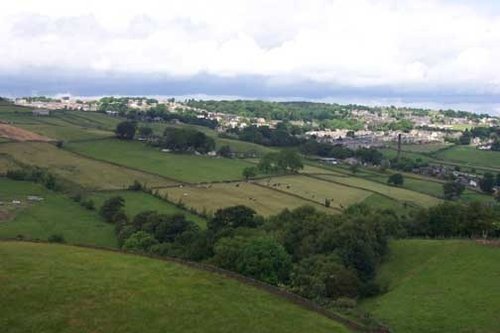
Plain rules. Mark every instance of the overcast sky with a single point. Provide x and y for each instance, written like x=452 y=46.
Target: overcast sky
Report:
x=427 y=52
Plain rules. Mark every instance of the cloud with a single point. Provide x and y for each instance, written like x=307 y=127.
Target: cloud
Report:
x=415 y=45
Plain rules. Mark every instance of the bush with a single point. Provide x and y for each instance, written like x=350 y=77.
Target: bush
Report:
x=111 y=207
x=140 y=241
x=136 y=186
x=56 y=238
x=88 y=204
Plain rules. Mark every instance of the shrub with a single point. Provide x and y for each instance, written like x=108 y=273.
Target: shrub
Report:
x=56 y=238
x=140 y=241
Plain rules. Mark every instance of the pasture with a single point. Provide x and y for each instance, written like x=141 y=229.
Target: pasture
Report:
x=182 y=167
x=439 y=286
x=56 y=214
x=317 y=190
x=60 y=288
x=136 y=202
x=209 y=198
x=470 y=157
x=80 y=170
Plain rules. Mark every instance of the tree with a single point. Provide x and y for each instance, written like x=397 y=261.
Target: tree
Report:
x=265 y=260
x=126 y=130
x=140 y=241
x=452 y=190
x=145 y=132
x=487 y=182
x=225 y=151
x=111 y=207
x=396 y=179
x=465 y=138
x=233 y=217
x=249 y=172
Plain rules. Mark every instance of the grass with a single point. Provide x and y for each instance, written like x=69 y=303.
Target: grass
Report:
x=396 y=193
x=182 y=167
x=58 y=288
x=56 y=214
x=85 y=172
x=470 y=157
x=422 y=148
x=136 y=202
x=440 y=286
x=208 y=198
x=317 y=190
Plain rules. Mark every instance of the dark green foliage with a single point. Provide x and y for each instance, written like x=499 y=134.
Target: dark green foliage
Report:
x=88 y=204
x=233 y=217
x=312 y=147
x=284 y=161
x=56 y=238
x=136 y=186
x=369 y=155
x=465 y=138
x=324 y=276
x=111 y=207
x=139 y=242
x=126 y=130
x=185 y=139
x=34 y=174
x=145 y=132
x=487 y=182
x=249 y=172
x=225 y=151
x=449 y=219
x=263 y=135
x=452 y=190
x=396 y=179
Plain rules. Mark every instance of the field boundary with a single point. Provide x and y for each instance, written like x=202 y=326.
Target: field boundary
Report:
x=282 y=293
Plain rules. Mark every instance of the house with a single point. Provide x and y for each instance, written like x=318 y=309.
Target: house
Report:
x=112 y=113
x=41 y=112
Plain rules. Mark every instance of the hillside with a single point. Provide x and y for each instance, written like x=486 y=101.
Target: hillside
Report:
x=440 y=286
x=59 y=288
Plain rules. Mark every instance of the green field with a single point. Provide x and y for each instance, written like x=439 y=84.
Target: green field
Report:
x=422 y=148
x=440 y=286
x=317 y=190
x=263 y=200
x=56 y=214
x=58 y=288
x=470 y=157
x=182 y=167
x=85 y=172
x=136 y=202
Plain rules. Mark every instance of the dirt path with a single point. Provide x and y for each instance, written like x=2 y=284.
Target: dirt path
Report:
x=19 y=134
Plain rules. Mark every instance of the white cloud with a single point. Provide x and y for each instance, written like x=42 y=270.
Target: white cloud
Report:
x=417 y=44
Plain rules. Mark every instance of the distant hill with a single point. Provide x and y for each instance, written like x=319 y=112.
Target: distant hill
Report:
x=59 y=288
x=440 y=286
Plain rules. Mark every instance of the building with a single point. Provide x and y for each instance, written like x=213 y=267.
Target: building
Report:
x=41 y=112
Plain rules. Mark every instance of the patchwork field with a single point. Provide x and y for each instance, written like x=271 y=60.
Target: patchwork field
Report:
x=136 y=202
x=188 y=168
x=58 y=288
x=470 y=156
x=317 y=190
x=209 y=198
x=55 y=214
x=85 y=172
x=440 y=286
x=19 y=134
x=396 y=193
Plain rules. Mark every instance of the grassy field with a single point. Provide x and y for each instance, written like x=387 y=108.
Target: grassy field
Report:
x=209 y=198
x=56 y=214
x=421 y=148
x=470 y=157
x=136 y=202
x=396 y=193
x=183 y=167
x=57 y=288
x=317 y=190
x=86 y=172
x=440 y=286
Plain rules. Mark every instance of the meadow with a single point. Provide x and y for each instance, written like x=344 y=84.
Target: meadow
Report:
x=181 y=167
x=439 y=286
x=56 y=214
x=86 y=172
x=209 y=198
x=136 y=202
x=470 y=156
x=59 y=288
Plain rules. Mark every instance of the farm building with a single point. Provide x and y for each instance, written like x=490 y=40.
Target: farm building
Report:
x=41 y=112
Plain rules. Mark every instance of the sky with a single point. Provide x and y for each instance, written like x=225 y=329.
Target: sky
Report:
x=432 y=53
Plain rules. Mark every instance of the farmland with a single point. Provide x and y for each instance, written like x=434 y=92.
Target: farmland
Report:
x=470 y=156
x=51 y=288
x=136 y=202
x=182 y=167
x=82 y=171
x=56 y=214
x=208 y=198
x=439 y=286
